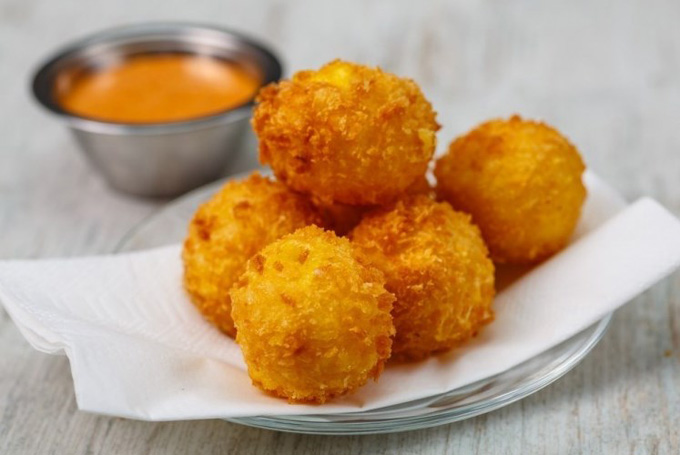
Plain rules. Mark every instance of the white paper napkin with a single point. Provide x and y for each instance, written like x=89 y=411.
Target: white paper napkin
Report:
x=138 y=348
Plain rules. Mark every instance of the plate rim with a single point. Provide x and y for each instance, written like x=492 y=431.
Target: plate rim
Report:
x=294 y=423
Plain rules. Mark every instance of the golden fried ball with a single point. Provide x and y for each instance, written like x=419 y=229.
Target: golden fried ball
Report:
x=437 y=265
x=313 y=322
x=342 y=218
x=521 y=182
x=346 y=133
x=241 y=219
x=421 y=186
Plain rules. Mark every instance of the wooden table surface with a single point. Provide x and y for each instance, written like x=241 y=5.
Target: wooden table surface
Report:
x=607 y=73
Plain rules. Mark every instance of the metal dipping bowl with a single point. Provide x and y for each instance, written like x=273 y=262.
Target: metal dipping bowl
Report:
x=157 y=159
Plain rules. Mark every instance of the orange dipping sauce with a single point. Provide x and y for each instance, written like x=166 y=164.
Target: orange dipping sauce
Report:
x=157 y=88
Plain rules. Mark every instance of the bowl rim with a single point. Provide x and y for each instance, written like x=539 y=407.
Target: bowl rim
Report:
x=42 y=80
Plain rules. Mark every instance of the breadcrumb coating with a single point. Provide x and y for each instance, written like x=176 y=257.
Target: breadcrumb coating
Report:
x=342 y=218
x=437 y=265
x=241 y=219
x=346 y=133
x=421 y=186
x=313 y=322
x=521 y=182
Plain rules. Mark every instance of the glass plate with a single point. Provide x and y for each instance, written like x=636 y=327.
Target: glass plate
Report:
x=168 y=225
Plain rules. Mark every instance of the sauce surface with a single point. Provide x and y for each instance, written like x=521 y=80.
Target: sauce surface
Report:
x=156 y=88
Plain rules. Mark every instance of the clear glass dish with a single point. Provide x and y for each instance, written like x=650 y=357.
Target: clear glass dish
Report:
x=168 y=225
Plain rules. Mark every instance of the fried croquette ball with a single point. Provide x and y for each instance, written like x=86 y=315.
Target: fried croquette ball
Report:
x=241 y=219
x=342 y=218
x=421 y=186
x=346 y=133
x=313 y=322
x=437 y=265
x=521 y=182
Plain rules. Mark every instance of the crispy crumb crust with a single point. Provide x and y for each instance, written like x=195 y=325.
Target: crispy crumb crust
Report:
x=342 y=218
x=313 y=322
x=346 y=133
x=437 y=265
x=242 y=218
x=521 y=182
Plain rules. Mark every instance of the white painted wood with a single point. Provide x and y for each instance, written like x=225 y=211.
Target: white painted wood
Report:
x=607 y=73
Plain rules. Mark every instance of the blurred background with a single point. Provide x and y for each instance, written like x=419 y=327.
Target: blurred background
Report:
x=606 y=73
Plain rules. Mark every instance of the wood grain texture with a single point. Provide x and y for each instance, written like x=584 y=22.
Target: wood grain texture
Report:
x=607 y=73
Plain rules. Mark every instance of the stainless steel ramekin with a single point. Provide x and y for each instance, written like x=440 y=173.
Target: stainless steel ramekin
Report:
x=159 y=159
